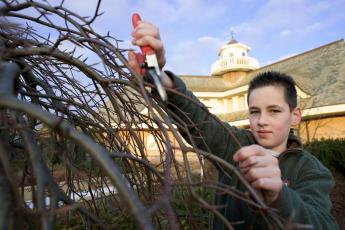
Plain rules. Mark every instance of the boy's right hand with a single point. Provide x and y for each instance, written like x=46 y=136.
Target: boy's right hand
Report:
x=261 y=169
x=148 y=34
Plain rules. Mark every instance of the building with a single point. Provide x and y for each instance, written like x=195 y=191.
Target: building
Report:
x=319 y=74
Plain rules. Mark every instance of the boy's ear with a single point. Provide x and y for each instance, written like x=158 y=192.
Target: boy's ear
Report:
x=296 y=117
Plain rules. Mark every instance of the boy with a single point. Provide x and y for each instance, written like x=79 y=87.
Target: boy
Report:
x=271 y=154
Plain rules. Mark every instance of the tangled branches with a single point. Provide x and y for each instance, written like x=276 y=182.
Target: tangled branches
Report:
x=76 y=129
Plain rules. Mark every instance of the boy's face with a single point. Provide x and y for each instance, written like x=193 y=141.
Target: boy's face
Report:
x=270 y=117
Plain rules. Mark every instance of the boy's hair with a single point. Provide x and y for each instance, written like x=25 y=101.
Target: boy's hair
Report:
x=273 y=78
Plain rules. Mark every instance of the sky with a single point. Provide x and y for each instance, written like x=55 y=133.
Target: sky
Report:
x=194 y=30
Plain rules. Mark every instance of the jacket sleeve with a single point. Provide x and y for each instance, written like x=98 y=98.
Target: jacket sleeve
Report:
x=205 y=130
x=307 y=201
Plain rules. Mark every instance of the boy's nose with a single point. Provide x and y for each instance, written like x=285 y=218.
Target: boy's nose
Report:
x=263 y=119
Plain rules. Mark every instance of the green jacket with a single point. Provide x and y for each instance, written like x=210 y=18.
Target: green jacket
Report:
x=305 y=194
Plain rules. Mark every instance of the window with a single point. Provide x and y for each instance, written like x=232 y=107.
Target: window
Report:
x=229 y=104
x=242 y=102
x=151 y=143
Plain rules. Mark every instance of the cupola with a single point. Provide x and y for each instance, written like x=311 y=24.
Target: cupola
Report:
x=234 y=57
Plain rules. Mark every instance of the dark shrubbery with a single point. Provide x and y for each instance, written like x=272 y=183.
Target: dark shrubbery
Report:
x=331 y=152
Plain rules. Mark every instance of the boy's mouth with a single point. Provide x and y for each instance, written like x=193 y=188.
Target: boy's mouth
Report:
x=263 y=133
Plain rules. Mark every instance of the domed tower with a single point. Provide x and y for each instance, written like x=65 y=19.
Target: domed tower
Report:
x=233 y=62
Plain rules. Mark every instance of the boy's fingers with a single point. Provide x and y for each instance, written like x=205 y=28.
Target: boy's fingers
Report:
x=146 y=29
x=156 y=44
x=148 y=34
x=258 y=161
x=269 y=187
x=251 y=162
x=268 y=184
x=133 y=61
x=247 y=151
x=141 y=32
x=264 y=172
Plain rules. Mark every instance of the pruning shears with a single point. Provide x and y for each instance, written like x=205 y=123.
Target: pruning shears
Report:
x=150 y=64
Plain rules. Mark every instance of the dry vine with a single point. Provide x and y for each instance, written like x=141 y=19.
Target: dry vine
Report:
x=59 y=113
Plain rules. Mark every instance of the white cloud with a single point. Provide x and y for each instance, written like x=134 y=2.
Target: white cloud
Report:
x=282 y=18
x=285 y=33
x=195 y=57
x=314 y=27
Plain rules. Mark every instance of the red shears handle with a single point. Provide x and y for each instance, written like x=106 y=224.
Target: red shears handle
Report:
x=144 y=49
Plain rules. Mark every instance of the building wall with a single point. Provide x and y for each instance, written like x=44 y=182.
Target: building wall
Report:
x=333 y=127
x=224 y=105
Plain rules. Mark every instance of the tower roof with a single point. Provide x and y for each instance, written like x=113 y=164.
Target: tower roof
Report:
x=232 y=41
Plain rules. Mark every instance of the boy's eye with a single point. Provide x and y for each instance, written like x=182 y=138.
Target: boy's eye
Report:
x=253 y=112
x=275 y=111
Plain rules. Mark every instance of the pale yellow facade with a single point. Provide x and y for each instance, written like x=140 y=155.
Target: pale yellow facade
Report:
x=322 y=128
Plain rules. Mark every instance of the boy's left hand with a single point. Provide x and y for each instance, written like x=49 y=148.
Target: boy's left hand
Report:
x=261 y=169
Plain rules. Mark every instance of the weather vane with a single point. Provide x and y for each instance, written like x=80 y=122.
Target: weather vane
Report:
x=232 y=34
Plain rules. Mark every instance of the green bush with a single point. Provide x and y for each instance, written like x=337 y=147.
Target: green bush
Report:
x=331 y=152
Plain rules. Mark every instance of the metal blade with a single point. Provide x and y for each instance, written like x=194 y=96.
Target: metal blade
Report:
x=158 y=83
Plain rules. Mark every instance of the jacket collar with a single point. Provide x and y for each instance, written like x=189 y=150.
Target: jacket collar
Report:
x=293 y=142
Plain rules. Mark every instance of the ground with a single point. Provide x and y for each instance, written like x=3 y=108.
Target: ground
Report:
x=338 y=200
